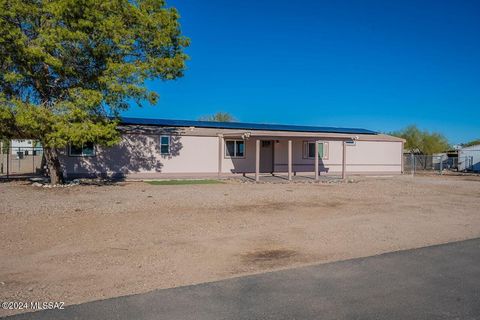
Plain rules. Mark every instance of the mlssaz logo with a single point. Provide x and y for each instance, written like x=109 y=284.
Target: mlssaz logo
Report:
x=47 y=305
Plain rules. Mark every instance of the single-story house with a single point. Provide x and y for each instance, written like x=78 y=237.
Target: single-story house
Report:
x=156 y=148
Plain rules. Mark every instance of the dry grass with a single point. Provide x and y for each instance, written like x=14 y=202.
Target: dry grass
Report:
x=182 y=182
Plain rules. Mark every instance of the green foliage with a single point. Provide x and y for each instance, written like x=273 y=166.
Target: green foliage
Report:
x=67 y=65
x=5 y=145
x=423 y=142
x=218 y=117
x=471 y=143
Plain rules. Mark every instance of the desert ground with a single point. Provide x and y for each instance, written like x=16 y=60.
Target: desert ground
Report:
x=85 y=243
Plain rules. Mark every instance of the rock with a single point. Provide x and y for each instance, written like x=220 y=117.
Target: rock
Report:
x=36 y=184
x=38 y=179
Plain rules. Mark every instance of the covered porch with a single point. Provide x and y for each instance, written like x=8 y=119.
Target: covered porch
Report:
x=289 y=158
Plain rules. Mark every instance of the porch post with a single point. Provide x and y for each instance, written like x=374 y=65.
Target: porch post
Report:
x=289 y=159
x=257 y=160
x=220 y=153
x=344 y=160
x=316 y=160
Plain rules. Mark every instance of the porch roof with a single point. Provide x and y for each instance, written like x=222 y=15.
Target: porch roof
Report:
x=264 y=135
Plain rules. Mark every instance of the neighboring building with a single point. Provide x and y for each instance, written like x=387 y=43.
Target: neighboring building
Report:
x=156 y=148
x=21 y=148
x=469 y=158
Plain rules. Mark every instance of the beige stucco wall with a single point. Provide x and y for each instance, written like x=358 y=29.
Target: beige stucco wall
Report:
x=239 y=165
x=139 y=155
x=363 y=157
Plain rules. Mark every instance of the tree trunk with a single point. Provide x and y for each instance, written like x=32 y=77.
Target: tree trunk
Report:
x=53 y=165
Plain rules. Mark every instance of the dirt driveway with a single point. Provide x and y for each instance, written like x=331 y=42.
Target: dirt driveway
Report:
x=87 y=242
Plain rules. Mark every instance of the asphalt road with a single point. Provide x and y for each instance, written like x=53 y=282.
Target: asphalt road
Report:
x=438 y=282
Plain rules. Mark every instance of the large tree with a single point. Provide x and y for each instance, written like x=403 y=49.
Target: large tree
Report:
x=423 y=142
x=68 y=66
x=218 y=117
x=471 y=143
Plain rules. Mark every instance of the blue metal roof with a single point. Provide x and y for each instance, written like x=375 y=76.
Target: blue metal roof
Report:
x=239 y=125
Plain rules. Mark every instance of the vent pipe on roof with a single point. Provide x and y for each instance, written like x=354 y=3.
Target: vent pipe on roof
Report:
x=246 y=135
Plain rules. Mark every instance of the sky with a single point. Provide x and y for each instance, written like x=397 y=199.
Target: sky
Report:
x=379 y=65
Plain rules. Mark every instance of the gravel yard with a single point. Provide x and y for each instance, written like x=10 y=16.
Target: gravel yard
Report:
x=86 y=243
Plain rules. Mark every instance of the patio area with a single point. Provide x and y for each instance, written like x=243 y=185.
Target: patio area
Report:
x=304 y=177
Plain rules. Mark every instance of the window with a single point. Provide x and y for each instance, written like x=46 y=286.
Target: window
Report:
x=309 y=150
x=85 y=150
x=165 y=144
x=235 y=148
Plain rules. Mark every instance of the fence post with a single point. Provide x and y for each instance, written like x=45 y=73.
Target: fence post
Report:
x=33 y=162
x=412 y=163
x=8 y=162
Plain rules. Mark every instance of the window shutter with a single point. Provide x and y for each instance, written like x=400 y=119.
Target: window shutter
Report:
x=320 y=150
x=325 y=150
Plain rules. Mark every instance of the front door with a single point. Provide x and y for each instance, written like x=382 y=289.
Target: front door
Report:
x=266 y=156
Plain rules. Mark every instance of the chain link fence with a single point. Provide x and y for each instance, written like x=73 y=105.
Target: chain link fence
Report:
x=21 y=162
x=414 y=163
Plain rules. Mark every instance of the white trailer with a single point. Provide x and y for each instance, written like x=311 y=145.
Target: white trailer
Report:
x=469 y=158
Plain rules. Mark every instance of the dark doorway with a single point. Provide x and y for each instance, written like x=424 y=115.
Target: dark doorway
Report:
x=266 y=156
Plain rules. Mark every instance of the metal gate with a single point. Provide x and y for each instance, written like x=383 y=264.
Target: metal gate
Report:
x=21 y=162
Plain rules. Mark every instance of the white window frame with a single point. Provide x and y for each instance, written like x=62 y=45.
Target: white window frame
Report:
x=306 y=149
x=169 y=144
x=70 y=154
x=227 y=156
